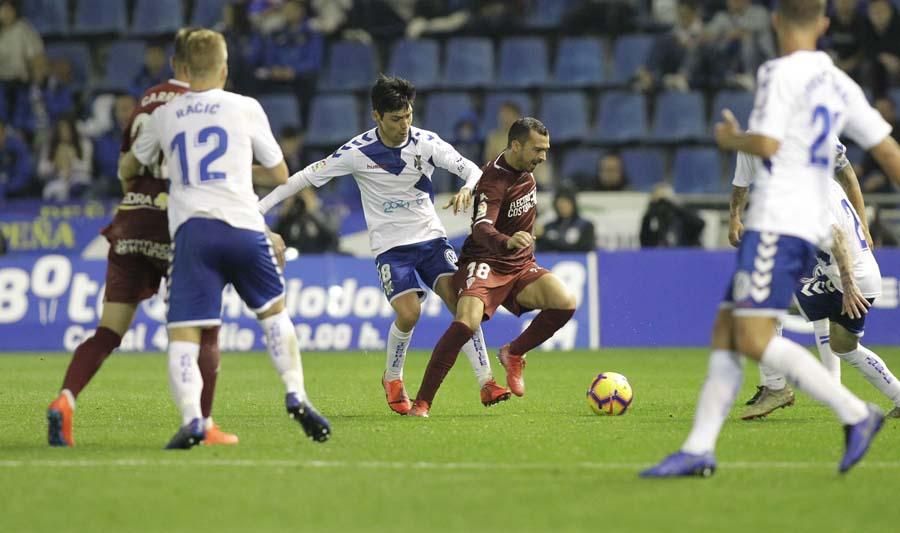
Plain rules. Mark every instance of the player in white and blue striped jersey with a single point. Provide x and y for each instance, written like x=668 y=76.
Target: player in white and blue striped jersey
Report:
x=802 y=101
x=392 y=164
x=209 y=138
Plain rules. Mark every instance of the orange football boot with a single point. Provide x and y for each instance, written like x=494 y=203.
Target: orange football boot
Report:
x=514 y=365
x=59 y=422
x=492 y=394
x=397 y=398
x=216 y=437
x=420 y=408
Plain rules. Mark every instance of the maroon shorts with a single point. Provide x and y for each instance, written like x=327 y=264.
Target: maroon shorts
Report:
x=477 y=279
x=132 y=278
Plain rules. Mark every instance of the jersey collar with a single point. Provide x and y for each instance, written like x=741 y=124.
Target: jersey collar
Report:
x=180 y=83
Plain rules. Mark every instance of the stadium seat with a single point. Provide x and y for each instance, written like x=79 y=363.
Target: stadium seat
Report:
x=579 y=63
x=351 y=67
x=523 y=62
x=493 y=101
x=644 y=167
x=333 y=119
x=621 y=118
x=156 y=17
x=855 y=154
x=78 y=55
x=443 y=110
x=4 y=113
x=49 y=17
x=546 y=14
x=579 y=166
x=698 y=170
x=894 y=94
x=679 y=117
x=121 y=66
x=207 y=13
x=469 y=63
x=629 y=53
x=282 y=110
x=739 y=102
x=100 y=16
x=418 y=61
x=565 y=115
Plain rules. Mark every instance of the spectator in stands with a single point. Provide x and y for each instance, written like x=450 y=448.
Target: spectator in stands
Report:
x=845 y=36
x=20 y=43
x=740 y=39
x=15 y=165
x=65 y=163
x=108 y=145
x=496 y=141
x=303 y=226
x=667 y=224
x=156 y=70
x=873 y=179
x=675 y=57
x=45 y=100
x=569 y=232
x=467 y=137
x=291 y=141
x=612 y=17
x=881 y=44
x=610 y=174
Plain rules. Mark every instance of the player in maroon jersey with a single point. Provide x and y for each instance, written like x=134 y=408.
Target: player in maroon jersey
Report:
x=137 y=261
x=497 y=265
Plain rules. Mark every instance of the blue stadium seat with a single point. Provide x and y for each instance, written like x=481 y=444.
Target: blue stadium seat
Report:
x=565 y=115
x=698 y=170
x=644 y=167
x=443 y=110
x=100 y=16
x=282 y=110
x=679 y=117
x=207 y=13
x=629 y=53
x=739 y=102
x=156 y=17
x=579 y=166
x=418 y=61
x=469 y=63
x=523 y=62
x=49 y=17
x=122 y=64
x=579 y=63
x=334 y=119
x=493 y=101
x=4 y=114
x=621 y=118
x=78 y=55
x=546 y=14
x=351 y=67
x=855 y=154
x=894 y=94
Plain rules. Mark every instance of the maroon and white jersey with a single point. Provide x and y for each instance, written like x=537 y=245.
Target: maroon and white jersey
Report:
x=505 y=202
x=140 y=226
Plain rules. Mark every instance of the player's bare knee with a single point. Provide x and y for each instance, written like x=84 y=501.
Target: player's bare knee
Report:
x=749 y=342
x=407 y=317
x=273 y=310
x=841 y=340
x=723 y=331
x=568 y=301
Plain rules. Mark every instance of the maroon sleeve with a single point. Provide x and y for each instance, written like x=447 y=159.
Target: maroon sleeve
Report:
x=488 y=199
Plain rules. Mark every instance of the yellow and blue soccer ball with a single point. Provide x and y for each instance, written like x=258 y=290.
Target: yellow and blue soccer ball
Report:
x=610 y=394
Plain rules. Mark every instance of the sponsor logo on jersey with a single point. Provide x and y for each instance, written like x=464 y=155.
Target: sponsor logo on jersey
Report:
x=523 y=204
x=155 y=250
x=418 y=163
x=318 y=165
x=481 y=212
x=139 y=199
x=450 y=256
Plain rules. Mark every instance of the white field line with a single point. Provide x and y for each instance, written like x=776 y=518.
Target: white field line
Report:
x=399 y=465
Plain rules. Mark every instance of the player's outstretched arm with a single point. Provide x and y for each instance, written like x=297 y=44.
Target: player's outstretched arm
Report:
x=729 y=136
x=846 y=176
x=854 y=304
x=735 y=209
x=887 y=154
x=270 y=177
x=129 y=167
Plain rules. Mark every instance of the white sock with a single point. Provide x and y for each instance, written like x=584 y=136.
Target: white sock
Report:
x=397 y=344
x=185 y=380
x=802 y=369
x=771 y=378
x=208 y=422
x=875 y=371
x=69 y=396
x=822 y=329
x=476 y=352
x=723 y=381
x=281 y=342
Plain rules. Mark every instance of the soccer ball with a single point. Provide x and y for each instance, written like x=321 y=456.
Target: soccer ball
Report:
x=610 y=394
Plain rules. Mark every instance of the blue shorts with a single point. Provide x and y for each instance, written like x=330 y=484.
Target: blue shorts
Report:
x=431 y=260
x=207 y=254
x=769 y=270
x=818 y=298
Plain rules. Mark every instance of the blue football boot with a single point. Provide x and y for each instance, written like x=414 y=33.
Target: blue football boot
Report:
x=858 y=437
x=314 y=425
x=682 y=464
x=190 y=435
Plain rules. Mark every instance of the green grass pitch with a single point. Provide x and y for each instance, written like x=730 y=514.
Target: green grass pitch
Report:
x=539 y=463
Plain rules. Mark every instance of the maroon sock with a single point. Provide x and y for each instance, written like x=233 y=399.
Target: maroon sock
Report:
x=88 y=357
x=541 y=328
x=209 y=368
x=442 y=359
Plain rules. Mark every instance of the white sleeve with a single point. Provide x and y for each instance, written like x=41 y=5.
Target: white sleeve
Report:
x=265 y=148
x=147 y=144
x=865 y=125
x=743 y=170
x=446 y=157
x=840 y=157
x=316 y=175
x=771 y=108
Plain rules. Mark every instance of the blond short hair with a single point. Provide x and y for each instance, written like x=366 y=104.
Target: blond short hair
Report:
x=206 y=53
x=801 y=12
